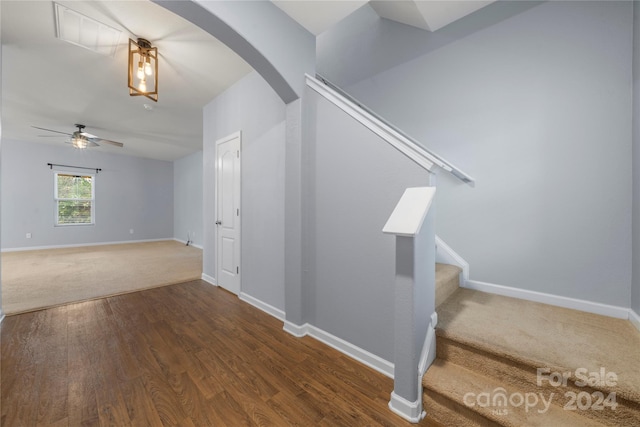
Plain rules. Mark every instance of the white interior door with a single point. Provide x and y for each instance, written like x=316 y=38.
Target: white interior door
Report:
x=228 y=212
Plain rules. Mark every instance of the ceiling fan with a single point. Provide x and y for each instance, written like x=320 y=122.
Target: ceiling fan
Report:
x=81 y=139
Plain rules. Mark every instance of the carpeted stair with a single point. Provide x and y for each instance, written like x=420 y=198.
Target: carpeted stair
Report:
x=489 y=349
x=447 y=281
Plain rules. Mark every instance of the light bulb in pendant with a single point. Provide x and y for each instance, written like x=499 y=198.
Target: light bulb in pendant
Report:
x=140 y=73
x=147 y=67
x=143 y=85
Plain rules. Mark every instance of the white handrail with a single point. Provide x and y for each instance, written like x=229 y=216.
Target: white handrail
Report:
x=394 y=136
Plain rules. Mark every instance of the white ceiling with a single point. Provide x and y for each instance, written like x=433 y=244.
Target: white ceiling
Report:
x=318 y=16
x=52 y=84
x=429 y=15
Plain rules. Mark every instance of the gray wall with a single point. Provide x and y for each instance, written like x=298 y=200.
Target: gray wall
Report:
x=131 y=193
x=356 y=183
x=252 y=107
x=535 y=103
x=187 y=198
x=635 y=287
x=364 y=45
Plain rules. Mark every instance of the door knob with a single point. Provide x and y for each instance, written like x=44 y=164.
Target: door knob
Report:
x=218 y=222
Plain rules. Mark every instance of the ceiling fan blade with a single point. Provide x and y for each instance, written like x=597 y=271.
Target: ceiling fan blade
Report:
x=106 y=141
x=101 y=140
x=92 y=140
x=51 y=130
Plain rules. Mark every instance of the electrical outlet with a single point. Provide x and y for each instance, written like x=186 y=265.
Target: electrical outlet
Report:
x=28 y=235
x=131 y=231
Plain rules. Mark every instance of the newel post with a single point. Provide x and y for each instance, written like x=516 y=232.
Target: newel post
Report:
x=412 y=222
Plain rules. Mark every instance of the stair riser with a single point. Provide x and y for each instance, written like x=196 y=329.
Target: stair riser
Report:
x=450 y=413
x=444 y=288
x=524 y=378
x=466 y=392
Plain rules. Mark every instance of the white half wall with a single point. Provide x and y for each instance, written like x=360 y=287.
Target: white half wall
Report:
x=251 y=106
x=131 y=193
x=355 y=182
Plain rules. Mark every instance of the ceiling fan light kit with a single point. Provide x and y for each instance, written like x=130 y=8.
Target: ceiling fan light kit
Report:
x=81 y=139
x=143 y=69
x=79 y=142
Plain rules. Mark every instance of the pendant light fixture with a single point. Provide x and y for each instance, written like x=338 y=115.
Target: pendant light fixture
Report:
x=143 y=69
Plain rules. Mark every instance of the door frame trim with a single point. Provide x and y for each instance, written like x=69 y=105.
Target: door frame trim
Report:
x=237 y=134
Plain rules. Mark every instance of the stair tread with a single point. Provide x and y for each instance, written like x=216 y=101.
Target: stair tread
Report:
x=542 y=335
x=455 y=382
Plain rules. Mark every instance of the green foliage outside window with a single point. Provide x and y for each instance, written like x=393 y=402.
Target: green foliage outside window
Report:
x=74 y=199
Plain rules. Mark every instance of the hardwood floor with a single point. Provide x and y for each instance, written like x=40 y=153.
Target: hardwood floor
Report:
x=184 y=355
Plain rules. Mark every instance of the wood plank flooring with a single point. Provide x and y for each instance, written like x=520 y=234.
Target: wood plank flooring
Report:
x=183 y=355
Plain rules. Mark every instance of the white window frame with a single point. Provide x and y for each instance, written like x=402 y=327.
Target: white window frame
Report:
x=56 y=199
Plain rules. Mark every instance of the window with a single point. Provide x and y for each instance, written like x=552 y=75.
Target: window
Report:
x=74 y=196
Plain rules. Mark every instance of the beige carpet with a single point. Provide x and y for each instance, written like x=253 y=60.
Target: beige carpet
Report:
x=43 y=278
x=486 y=342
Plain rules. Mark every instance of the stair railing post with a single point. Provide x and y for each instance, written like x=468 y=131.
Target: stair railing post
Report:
x=412 y=222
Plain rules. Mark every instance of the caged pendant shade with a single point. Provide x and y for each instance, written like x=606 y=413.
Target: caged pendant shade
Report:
x=143 y=69
x=79 y=142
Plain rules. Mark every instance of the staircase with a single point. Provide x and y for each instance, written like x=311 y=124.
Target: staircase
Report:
x=489 y=349
x=499 y=361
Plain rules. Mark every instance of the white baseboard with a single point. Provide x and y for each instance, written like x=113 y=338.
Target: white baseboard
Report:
x=80 y=245
x=267 y=308
x=446 y=255
x=573 y=303
x=634 y=318
x=209 y=279
x=296 y=330
x=428 y=353
x=410 y=411
x=363 y=356
x=184 y=242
